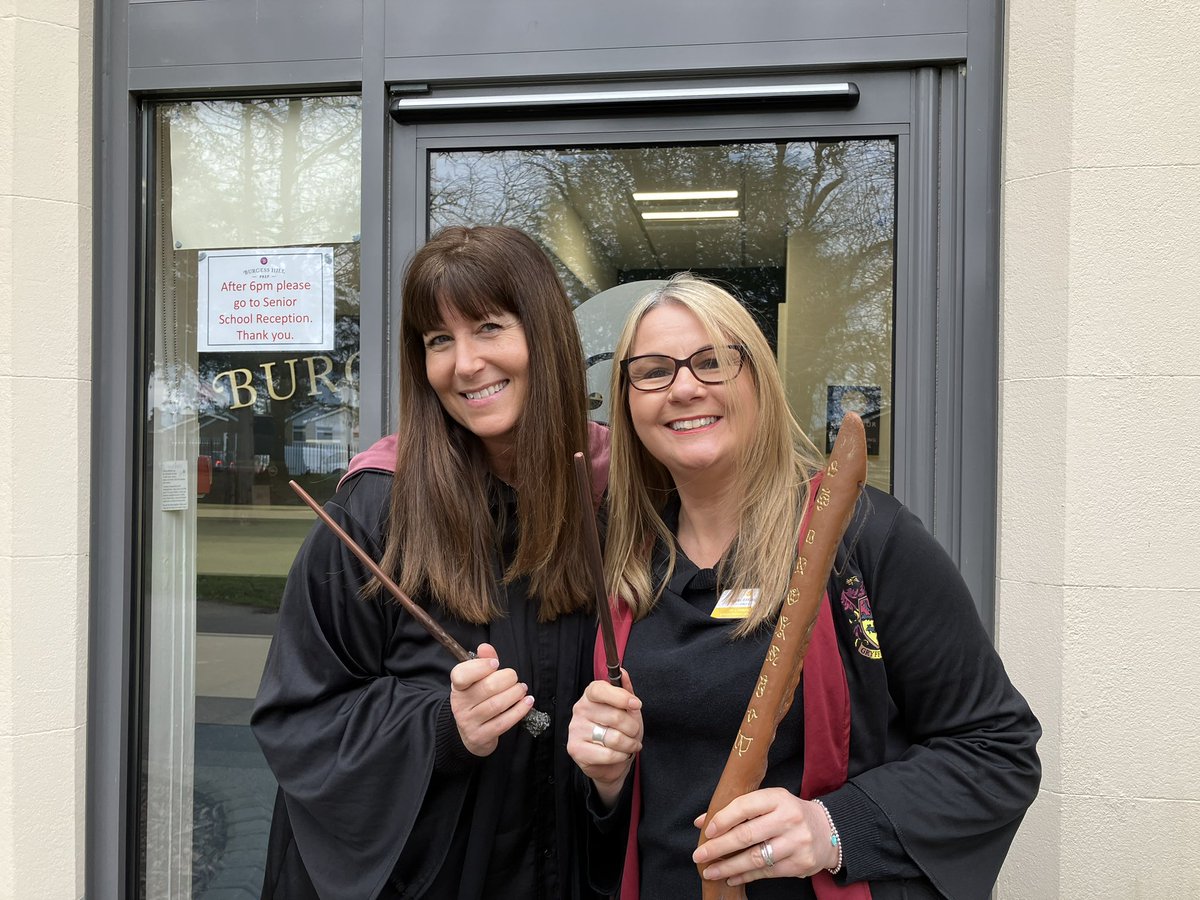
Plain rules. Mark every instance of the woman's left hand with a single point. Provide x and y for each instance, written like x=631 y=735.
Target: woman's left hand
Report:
x=797 y=831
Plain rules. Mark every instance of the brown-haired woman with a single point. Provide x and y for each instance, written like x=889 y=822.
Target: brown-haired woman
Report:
x=402 y=774
x=908 y=759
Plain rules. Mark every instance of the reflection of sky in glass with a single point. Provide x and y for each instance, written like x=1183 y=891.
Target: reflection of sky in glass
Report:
x=265 y=172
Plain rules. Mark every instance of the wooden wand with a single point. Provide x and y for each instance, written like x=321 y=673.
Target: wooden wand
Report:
x=591 y=540
x=832 y=510
x=535 y=720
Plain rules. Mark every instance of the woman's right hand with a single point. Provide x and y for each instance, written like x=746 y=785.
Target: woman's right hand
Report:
x=613 y=714
x=486 y=700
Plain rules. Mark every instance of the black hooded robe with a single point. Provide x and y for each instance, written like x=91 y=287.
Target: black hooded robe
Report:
x=942 y=759
x=378 y=797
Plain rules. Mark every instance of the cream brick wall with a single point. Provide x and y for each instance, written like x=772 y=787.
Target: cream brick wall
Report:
x=45 y=395
x=1099 y=550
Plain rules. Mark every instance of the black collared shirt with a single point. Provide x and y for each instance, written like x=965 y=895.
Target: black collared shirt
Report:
x=695 y=681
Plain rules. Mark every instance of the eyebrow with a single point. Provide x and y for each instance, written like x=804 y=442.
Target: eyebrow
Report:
x=669 y=356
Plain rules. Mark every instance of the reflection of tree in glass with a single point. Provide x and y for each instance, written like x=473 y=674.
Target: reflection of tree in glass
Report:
x=267 y=173
x=279 y=164
x=823 y=210
x=841 y=212
x=814 y=237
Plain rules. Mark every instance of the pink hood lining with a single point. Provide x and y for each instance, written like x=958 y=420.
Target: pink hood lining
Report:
x=381 y=457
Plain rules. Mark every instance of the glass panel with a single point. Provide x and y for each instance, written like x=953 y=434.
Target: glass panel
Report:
x=252 y=381
x=802 y=230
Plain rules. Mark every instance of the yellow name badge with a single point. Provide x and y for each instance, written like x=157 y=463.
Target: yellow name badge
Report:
x=731 y=605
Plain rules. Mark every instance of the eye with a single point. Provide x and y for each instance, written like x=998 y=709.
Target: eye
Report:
x=651 y=369
x=497 y=322
x=436 y=340
x=707 y=361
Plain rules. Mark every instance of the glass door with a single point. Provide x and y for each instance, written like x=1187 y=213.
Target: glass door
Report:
x=252 y=380
x=803 y=231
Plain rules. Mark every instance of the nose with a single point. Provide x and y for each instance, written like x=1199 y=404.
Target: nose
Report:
x=686 y=385
x=467 y=361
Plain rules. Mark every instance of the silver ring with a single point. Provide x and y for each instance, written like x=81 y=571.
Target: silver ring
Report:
x=768 y=853
x=598 y=734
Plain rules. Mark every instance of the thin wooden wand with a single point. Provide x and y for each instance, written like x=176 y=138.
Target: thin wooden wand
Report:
x=591 y=540
x=535 y=720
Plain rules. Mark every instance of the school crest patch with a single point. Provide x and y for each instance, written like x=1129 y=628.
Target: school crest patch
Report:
x=857 y=606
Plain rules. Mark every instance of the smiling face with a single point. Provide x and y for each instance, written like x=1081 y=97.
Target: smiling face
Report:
x=479 y=369
x=696 y=430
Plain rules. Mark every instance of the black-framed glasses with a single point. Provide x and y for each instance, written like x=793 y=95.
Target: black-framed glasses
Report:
x=711 y=365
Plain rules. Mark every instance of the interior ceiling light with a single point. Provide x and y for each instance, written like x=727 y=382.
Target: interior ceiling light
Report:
x=690 y=214
x=651 y=196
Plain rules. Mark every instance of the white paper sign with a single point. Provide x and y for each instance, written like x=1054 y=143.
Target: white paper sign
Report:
x=174 y=483
x=277 y=299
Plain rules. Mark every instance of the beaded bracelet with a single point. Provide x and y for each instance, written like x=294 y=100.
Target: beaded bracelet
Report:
x=835 y=839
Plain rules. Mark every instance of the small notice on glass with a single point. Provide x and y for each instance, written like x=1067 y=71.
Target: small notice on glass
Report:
x=174 y=483
x=276 y=299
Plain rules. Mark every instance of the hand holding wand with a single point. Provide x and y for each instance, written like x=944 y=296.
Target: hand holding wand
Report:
x=832 y=508
x=591 y=540
x=535 y=720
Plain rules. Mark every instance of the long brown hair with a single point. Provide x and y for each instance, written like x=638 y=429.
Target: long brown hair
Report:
x=442 y=539
x=773 y=470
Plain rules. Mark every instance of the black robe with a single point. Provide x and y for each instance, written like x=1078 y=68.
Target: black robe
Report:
x=378 y=797
x=942 y=761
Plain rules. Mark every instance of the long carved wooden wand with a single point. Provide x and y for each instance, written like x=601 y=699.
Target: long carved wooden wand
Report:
x=591 y=540
x=535 y=720
x=832 y=510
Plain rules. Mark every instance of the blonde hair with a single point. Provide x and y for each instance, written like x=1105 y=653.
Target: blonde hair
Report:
x=773 y=470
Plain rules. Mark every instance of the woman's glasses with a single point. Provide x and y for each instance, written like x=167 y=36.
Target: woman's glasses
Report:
x=712 y=365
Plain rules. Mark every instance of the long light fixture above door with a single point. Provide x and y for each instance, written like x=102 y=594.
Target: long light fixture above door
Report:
x=417 y=102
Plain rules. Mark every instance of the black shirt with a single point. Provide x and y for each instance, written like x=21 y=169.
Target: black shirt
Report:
x=695 y=681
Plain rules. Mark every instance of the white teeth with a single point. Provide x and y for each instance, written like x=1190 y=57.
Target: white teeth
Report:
x=487 y=391
x=689 y=424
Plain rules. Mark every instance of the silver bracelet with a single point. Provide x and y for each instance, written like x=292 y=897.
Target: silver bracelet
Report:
x=835 y=839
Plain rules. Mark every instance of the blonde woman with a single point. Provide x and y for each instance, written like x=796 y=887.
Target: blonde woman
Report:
x=908 y=759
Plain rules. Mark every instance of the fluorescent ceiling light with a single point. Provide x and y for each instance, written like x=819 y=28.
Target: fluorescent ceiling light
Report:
x=691 y=214
x=650 y=196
